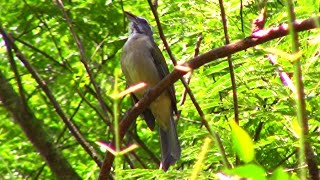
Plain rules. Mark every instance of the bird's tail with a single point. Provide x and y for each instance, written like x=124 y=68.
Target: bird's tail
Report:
x=170 y=146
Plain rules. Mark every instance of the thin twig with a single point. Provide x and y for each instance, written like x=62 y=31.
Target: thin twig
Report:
x=283 y=160
x=222 y=151
x=127 y=159
x=285 y=79
x=84 y=60
x=185 y=84
x=241 y=16
x=83 y=96
x=43 y=53
x=16 y=73
x=189 y=75
x=138 y=159
x=231 y=69
x=40 y=17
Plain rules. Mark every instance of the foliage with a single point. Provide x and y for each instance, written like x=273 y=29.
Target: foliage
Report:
x=42 y=34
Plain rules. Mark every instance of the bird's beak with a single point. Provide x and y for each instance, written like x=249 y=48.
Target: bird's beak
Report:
x=130 y=16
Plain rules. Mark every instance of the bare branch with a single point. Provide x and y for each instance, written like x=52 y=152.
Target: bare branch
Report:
x=185 y=84
x=189 y=75
x=233 y=81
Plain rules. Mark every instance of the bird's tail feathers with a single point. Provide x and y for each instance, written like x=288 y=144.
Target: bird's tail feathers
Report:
x=170 y=146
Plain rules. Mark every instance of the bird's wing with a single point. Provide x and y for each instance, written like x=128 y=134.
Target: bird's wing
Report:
x=163 y=70
x=146 y=114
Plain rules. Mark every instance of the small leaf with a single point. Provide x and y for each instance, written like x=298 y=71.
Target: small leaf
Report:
x=242 y=142
x=296 y=128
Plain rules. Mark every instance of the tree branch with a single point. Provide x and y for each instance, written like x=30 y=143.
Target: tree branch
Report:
x=73 y=129
x=84 y=60
x=195 y=63
x=33 y=128
x=185 y=84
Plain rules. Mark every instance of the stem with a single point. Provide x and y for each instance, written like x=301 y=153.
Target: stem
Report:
x=301 y=105
x=116 y=129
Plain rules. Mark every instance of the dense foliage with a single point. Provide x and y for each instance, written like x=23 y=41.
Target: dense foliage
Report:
x=266 y=140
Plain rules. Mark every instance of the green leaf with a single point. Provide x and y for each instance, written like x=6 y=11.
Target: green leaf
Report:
x=250 y=171
x=280 y=174
x=242 y=142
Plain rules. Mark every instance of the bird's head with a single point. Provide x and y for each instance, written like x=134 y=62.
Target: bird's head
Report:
x=139 y=25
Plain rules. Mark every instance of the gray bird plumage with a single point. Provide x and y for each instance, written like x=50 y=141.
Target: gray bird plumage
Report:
x=142 y=61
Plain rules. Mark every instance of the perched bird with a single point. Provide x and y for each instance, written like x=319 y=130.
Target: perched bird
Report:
x=142 y=61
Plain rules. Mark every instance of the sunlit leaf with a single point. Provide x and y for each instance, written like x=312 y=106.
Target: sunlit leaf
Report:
x=242 y=142
x=250 y=171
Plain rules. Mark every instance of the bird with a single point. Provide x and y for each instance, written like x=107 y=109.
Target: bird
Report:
x=142 y=61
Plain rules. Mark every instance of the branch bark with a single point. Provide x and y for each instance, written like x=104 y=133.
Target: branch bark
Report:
x=33 y=128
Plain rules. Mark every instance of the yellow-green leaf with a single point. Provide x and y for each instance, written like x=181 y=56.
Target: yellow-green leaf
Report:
x=242 y=142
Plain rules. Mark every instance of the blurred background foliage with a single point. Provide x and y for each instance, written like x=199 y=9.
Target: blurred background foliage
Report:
x=43 y=36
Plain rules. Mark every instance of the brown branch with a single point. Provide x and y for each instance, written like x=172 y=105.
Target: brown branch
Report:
x=311 y=161
x=233 y=82
x=258 y=131
x=83 y=59
x=185 y=84
x=73 y=129
x=16 y=73
x=195 y=63
x=33 y=128
x=41 y=18
x=128 y=160
x=196 y=53
x=231 y=69
x=43 y=53
x=260 y=21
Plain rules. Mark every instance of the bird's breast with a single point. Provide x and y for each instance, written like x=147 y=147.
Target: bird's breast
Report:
x=138 y=62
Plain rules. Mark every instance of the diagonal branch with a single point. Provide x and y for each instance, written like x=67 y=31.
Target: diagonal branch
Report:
x=185 y=84
x=188 y=76
x=33 y=128
x=195 y=63
x=83 y=59
x=73 y=129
